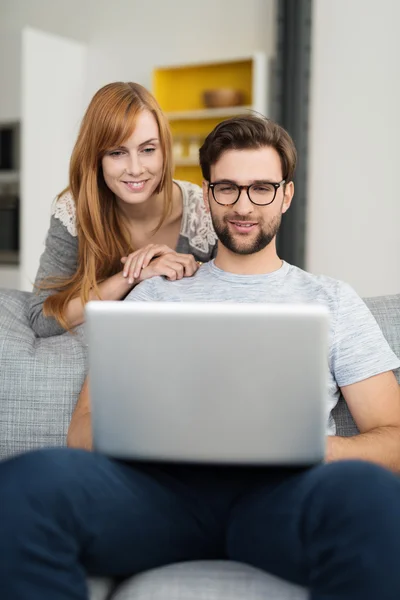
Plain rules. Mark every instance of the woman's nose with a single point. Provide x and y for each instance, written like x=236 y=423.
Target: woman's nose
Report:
x=134 y=166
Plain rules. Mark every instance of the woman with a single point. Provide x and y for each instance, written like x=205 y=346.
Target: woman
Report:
x=122 y=218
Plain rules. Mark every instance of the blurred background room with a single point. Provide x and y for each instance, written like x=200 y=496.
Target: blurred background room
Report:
x=327 y=70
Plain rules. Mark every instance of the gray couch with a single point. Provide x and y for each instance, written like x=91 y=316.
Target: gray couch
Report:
x=40 y=380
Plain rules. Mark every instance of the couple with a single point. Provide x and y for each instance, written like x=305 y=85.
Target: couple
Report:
x=334 y=528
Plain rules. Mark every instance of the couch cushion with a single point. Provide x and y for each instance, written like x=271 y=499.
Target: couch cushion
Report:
x=100 y=588
x=386 y=310
x=40 y=379
x=208 y=580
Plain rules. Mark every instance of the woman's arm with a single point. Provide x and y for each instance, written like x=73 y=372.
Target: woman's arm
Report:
x=113 y=288
x=59 y=259
x=151 y=261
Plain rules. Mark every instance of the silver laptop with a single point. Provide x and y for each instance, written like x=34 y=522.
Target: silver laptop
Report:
x=210 y=383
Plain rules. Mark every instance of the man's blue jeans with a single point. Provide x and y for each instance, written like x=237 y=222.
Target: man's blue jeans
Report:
x=65 y=513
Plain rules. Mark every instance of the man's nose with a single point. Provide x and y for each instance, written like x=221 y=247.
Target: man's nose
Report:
x=243 y=206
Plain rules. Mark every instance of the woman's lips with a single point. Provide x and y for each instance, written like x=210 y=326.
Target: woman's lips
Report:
x=135 y=186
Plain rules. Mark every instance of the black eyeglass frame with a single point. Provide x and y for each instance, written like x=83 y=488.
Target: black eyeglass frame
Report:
x=211 y=186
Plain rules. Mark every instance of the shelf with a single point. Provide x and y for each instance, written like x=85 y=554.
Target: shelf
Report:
x=180 y=88
x=9 y=176
x=186 y=162
x=207 y=113
x=207 y=63
x=9 y=258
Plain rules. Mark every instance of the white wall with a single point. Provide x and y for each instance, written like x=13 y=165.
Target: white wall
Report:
x=129 y=37
x=53 y=75
x=354 y=203
x=9 y=277
x=164 y=32
x=70 y=18
x=10 y=75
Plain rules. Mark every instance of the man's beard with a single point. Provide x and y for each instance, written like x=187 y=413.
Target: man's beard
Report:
x=238 y=246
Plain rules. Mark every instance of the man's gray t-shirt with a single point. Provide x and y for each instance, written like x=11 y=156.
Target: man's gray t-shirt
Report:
x=357 y=347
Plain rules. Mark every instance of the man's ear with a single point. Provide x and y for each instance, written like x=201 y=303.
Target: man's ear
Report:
x=288 y=196
x=205 y=195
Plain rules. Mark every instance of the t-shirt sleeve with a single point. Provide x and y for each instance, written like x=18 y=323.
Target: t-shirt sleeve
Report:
x=359 y=348
x=144 y=292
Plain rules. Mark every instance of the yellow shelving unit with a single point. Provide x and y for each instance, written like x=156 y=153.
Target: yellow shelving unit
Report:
x=179 y=91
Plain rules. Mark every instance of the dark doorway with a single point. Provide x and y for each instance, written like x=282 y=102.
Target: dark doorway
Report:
x=290 y=107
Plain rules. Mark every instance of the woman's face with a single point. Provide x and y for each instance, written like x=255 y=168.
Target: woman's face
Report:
x=133 y=171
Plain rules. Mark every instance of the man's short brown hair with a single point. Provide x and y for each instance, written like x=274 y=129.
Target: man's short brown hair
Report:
x=248 y=132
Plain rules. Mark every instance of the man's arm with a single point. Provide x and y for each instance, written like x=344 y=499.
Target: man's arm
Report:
x=80 y=429
x=375 y=406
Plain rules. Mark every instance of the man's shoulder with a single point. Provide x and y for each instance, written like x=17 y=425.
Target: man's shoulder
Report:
x=314 y=281
x=145 y=290
x=161 y=288
x=330 y=290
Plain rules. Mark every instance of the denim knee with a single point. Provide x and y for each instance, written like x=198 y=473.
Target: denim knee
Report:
x=344 y=476
x=353 y=491
x=37 y=481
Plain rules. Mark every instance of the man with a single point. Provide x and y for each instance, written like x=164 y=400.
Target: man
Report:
x=334 y=528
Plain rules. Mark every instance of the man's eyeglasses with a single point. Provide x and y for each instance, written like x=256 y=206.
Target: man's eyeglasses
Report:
x=227 y=193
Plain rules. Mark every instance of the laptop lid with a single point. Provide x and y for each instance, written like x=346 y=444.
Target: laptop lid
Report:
x=210 y=383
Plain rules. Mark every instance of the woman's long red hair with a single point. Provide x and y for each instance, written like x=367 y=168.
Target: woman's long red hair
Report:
x=103 y=237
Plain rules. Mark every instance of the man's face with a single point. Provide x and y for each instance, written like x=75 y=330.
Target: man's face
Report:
x=246 y=228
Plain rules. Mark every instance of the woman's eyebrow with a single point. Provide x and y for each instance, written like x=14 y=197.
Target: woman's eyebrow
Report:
x=150 y=141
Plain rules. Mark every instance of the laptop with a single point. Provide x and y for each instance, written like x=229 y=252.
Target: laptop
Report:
x=223 y=383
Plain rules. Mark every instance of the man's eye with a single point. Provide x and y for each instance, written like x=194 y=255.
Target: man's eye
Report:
x=263 y=189
x=226 y=188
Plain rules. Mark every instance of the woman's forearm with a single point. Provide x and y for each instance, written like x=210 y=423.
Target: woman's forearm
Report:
x=114 y=288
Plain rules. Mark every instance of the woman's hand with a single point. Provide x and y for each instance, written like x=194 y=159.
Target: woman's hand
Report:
x=138 y=260
x=173 y=266
x=157 y=259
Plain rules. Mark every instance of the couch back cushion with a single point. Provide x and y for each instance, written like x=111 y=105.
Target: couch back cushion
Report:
x=386 y=310
x=40 y=379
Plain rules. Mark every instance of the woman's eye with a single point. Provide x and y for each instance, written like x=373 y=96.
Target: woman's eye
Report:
x=115 y=153
x=148 y=150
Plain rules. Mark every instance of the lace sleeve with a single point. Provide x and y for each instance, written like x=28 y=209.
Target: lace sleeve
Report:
x=196 y=222
x=64 y=210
